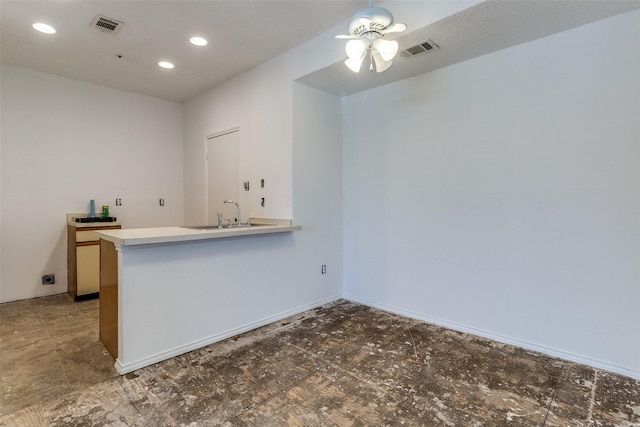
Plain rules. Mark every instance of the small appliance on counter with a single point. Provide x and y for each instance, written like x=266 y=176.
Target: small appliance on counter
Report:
x=88 y=219
x=83 y=253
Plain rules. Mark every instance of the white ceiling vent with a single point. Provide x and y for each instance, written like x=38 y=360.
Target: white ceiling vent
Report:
x=106 y=25
x=425 y=46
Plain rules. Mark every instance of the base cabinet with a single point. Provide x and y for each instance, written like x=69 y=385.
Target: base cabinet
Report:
x=83 y=261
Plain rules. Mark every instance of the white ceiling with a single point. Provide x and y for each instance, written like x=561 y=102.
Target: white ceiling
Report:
x=241 y=34
x=245 y=33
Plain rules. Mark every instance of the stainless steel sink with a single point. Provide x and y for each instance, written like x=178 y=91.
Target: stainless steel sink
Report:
x=215 y=227
x=200 y=227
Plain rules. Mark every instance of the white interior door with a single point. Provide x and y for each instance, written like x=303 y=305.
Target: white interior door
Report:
x=223 y=175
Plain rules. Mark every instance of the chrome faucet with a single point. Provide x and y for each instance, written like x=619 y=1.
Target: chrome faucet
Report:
x=237 y=206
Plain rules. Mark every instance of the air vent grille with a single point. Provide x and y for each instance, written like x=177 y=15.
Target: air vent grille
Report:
x=106 y=25
x=420 y=48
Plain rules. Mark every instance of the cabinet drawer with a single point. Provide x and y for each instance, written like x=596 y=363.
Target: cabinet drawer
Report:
x=87 y=236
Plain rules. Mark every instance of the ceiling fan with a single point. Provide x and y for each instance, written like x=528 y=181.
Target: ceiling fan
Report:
x=367 y=29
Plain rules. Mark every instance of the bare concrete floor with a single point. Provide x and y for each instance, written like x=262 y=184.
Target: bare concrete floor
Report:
x=340 y=365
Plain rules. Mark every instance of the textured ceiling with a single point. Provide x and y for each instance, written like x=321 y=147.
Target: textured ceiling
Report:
x=245 y=33
x=484 y=28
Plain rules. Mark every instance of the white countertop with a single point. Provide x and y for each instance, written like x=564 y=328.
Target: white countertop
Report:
x=147 y=236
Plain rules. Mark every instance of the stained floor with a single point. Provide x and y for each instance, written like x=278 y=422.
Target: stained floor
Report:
x=343 y=364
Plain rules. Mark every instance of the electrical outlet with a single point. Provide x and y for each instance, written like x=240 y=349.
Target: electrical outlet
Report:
x=323 y=269
x=161 y=202
x=49 y=279
x=118 y=202
x=262 y=202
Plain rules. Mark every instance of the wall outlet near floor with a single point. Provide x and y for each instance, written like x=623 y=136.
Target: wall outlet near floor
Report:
x=323 y=269
x=49 y=279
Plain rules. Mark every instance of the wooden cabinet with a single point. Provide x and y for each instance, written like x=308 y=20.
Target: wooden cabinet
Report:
x=109 y=297
x=83 y=260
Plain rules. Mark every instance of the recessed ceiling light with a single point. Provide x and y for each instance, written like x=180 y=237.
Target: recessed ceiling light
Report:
x=165 y=64
x=44 y=28
x=198 y=41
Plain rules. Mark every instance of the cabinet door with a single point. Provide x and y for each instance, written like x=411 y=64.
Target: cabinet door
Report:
x=88 y=267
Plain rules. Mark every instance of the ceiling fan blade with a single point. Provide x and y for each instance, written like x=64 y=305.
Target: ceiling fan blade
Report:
x=345 y=36
x=395 y=28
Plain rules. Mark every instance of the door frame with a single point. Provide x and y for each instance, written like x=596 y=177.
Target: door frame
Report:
x=206 y=163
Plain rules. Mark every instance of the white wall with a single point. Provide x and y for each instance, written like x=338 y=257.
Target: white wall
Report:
x=317 y=184
x=291 y=136
x=246 y=102
x=501 y=195
x=65 y=142
x=79 y=120
x=292 y=139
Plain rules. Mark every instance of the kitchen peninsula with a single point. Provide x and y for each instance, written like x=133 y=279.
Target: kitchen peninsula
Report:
x=166 y=291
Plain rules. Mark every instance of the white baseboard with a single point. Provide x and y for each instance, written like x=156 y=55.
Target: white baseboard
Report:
x=572 y=357
x=125 y=368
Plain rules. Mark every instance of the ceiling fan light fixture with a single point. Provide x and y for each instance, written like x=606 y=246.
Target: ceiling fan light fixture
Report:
x=354 y=64
x=379 y=61
x=367 y=29
x=356 y=49
x=388 y=49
